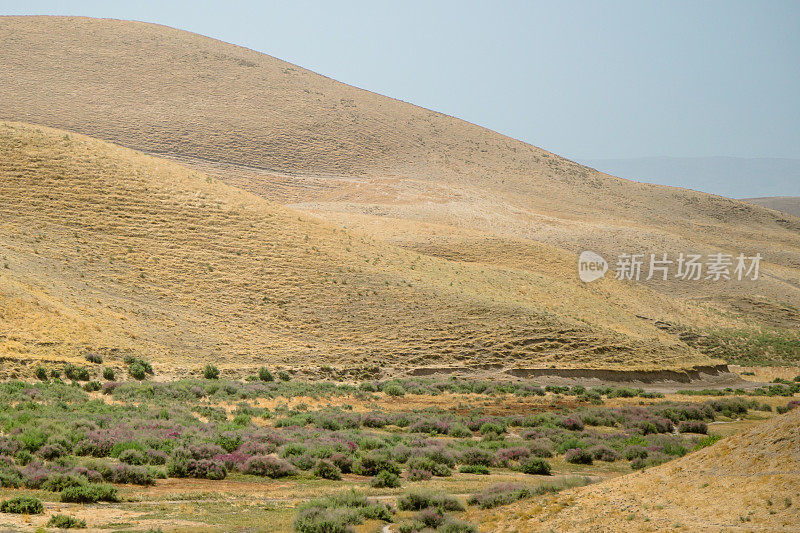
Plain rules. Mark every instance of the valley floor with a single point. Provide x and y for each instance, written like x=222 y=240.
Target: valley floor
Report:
x=392 y=456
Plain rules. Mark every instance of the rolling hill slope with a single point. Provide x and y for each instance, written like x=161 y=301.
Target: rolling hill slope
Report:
x=743 y=482
x=106 y=249
x=409 y=177
x=287 y=134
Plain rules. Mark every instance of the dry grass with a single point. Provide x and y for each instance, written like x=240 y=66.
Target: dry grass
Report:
x=288 y=134
x=748 y=481
x=115 y=251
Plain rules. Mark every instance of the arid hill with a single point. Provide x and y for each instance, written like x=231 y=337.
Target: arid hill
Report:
x=747 y=482
x=287 y=134
x=106 y=249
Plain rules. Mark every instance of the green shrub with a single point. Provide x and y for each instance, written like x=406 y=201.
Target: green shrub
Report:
x=137 y=371
x=375 y=462
x=394 y=389
x=536 y=466
x=459 y=431
x=33 y=439
x=706 y=441
x=76 y=373
x=40 y=373
x=92 y=386
x=59 y=482
x=284 y=376
x=578 y=456
x=132 y=457
x=501 y=494
x=265 y=375
x=108 y=374
x=452 y=525
x=138 y=368
x=22 y=505
x=89 y=493
x=419 y=499
x=95 y=358
x=327 y=470
x=211 y=372
x=428 y=464
x=10 y=477
x=335 y=514
x=62 y=521
x=385 y=479
x=316 y=520
x=474 y=469
x=491 y=427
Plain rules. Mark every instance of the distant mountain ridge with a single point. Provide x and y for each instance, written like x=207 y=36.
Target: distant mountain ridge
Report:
x=734 y=177
x=787 y=204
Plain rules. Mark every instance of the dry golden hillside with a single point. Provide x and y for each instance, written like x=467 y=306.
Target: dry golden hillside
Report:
x=746 y=482
x=108 y=249
x=287 y=134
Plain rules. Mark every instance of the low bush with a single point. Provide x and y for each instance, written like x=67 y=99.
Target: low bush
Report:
x=501 y=494
x=578 y=456
x=541 y=448
x=327 y=470
x=132 y=457
x=92 y=386
x=419 y=500
x=95 y=358
x=336 y=514
x=452 y=525
x=89 y=493
x=418 y=474
x=394 y=389
x=706 y=441
x=343 y=462
x=76 y=373
x=198 y=468
x=653 y=459
x=601 y=452
x=474 y=469
x=459 y=431
x=22 y=505
x=536 y=466
x=430 y=518
x=62 y=521
x=268 y=466
x=108 y=374
x=477 y=456
x=138 y=368
x=572 y=424
x=385 y=479
x=58 y=482
x=129 y=474
x=40 y=373
x=372 y=463
x=635 y=452
x=427 y=464
x=693 y=426
x=211 y=372
x=265 y=375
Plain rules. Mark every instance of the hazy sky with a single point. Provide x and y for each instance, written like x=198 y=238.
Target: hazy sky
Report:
x=604 y=79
